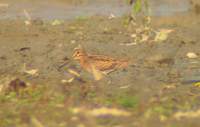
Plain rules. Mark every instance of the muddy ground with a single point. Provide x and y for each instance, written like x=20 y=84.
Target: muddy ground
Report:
x=155 y=87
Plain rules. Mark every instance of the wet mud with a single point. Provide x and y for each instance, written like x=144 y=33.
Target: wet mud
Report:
x=158 y=83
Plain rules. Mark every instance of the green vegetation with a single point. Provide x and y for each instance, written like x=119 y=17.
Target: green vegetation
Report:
x=139 y=6
x=127 y=101
x=81 y=18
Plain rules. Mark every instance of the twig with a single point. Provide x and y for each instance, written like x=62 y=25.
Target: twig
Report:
x=27 y=15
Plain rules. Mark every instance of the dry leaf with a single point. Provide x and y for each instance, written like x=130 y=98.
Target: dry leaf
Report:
x=60 y=45
x=124 y=87
x=1 y=88
x=197 y=84
x=33 y=72
x=148 y=19
x=191 y=55
x=169 y=87
x=189 y=114
x=133 y=35
x=73 y=41
x=101 y=111
x=36 y=122
x=162 y=34
x=68 y=81
x=163 y=118
x=138 y=30
x=74 y=118
x=74 y=72
x=57 y=22
x=144 y=38
x=108 y=111
x=64 y=81
x=4 y=5
x=28 y=17
x=80 y=125
x=111 y=16
x=128 y=44
x=60 y=105
x=76 y=110
x=27 y=22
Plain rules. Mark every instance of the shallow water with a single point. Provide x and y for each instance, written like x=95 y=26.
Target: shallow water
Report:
x=63 y=10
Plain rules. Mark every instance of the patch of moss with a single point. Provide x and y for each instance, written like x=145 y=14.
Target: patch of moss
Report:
x=91 y=94
x=10 y=96
x=162 y=111
x=127 y=101
x=57 y=99
x=81 y=18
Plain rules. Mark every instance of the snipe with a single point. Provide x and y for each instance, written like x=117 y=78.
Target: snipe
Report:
x=98 y=63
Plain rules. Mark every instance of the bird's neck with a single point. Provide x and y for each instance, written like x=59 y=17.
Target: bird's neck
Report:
x=84 y=60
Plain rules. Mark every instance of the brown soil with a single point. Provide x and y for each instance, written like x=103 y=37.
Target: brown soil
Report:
x=157 y=80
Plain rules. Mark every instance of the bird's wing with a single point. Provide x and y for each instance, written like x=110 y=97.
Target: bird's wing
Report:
x=103 y=63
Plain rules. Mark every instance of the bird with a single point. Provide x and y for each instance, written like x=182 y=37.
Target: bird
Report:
x=98 y=64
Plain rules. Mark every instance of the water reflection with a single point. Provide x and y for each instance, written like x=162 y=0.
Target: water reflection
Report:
x=57 y=10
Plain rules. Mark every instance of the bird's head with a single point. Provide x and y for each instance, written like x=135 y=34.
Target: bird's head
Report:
x=79 y=53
